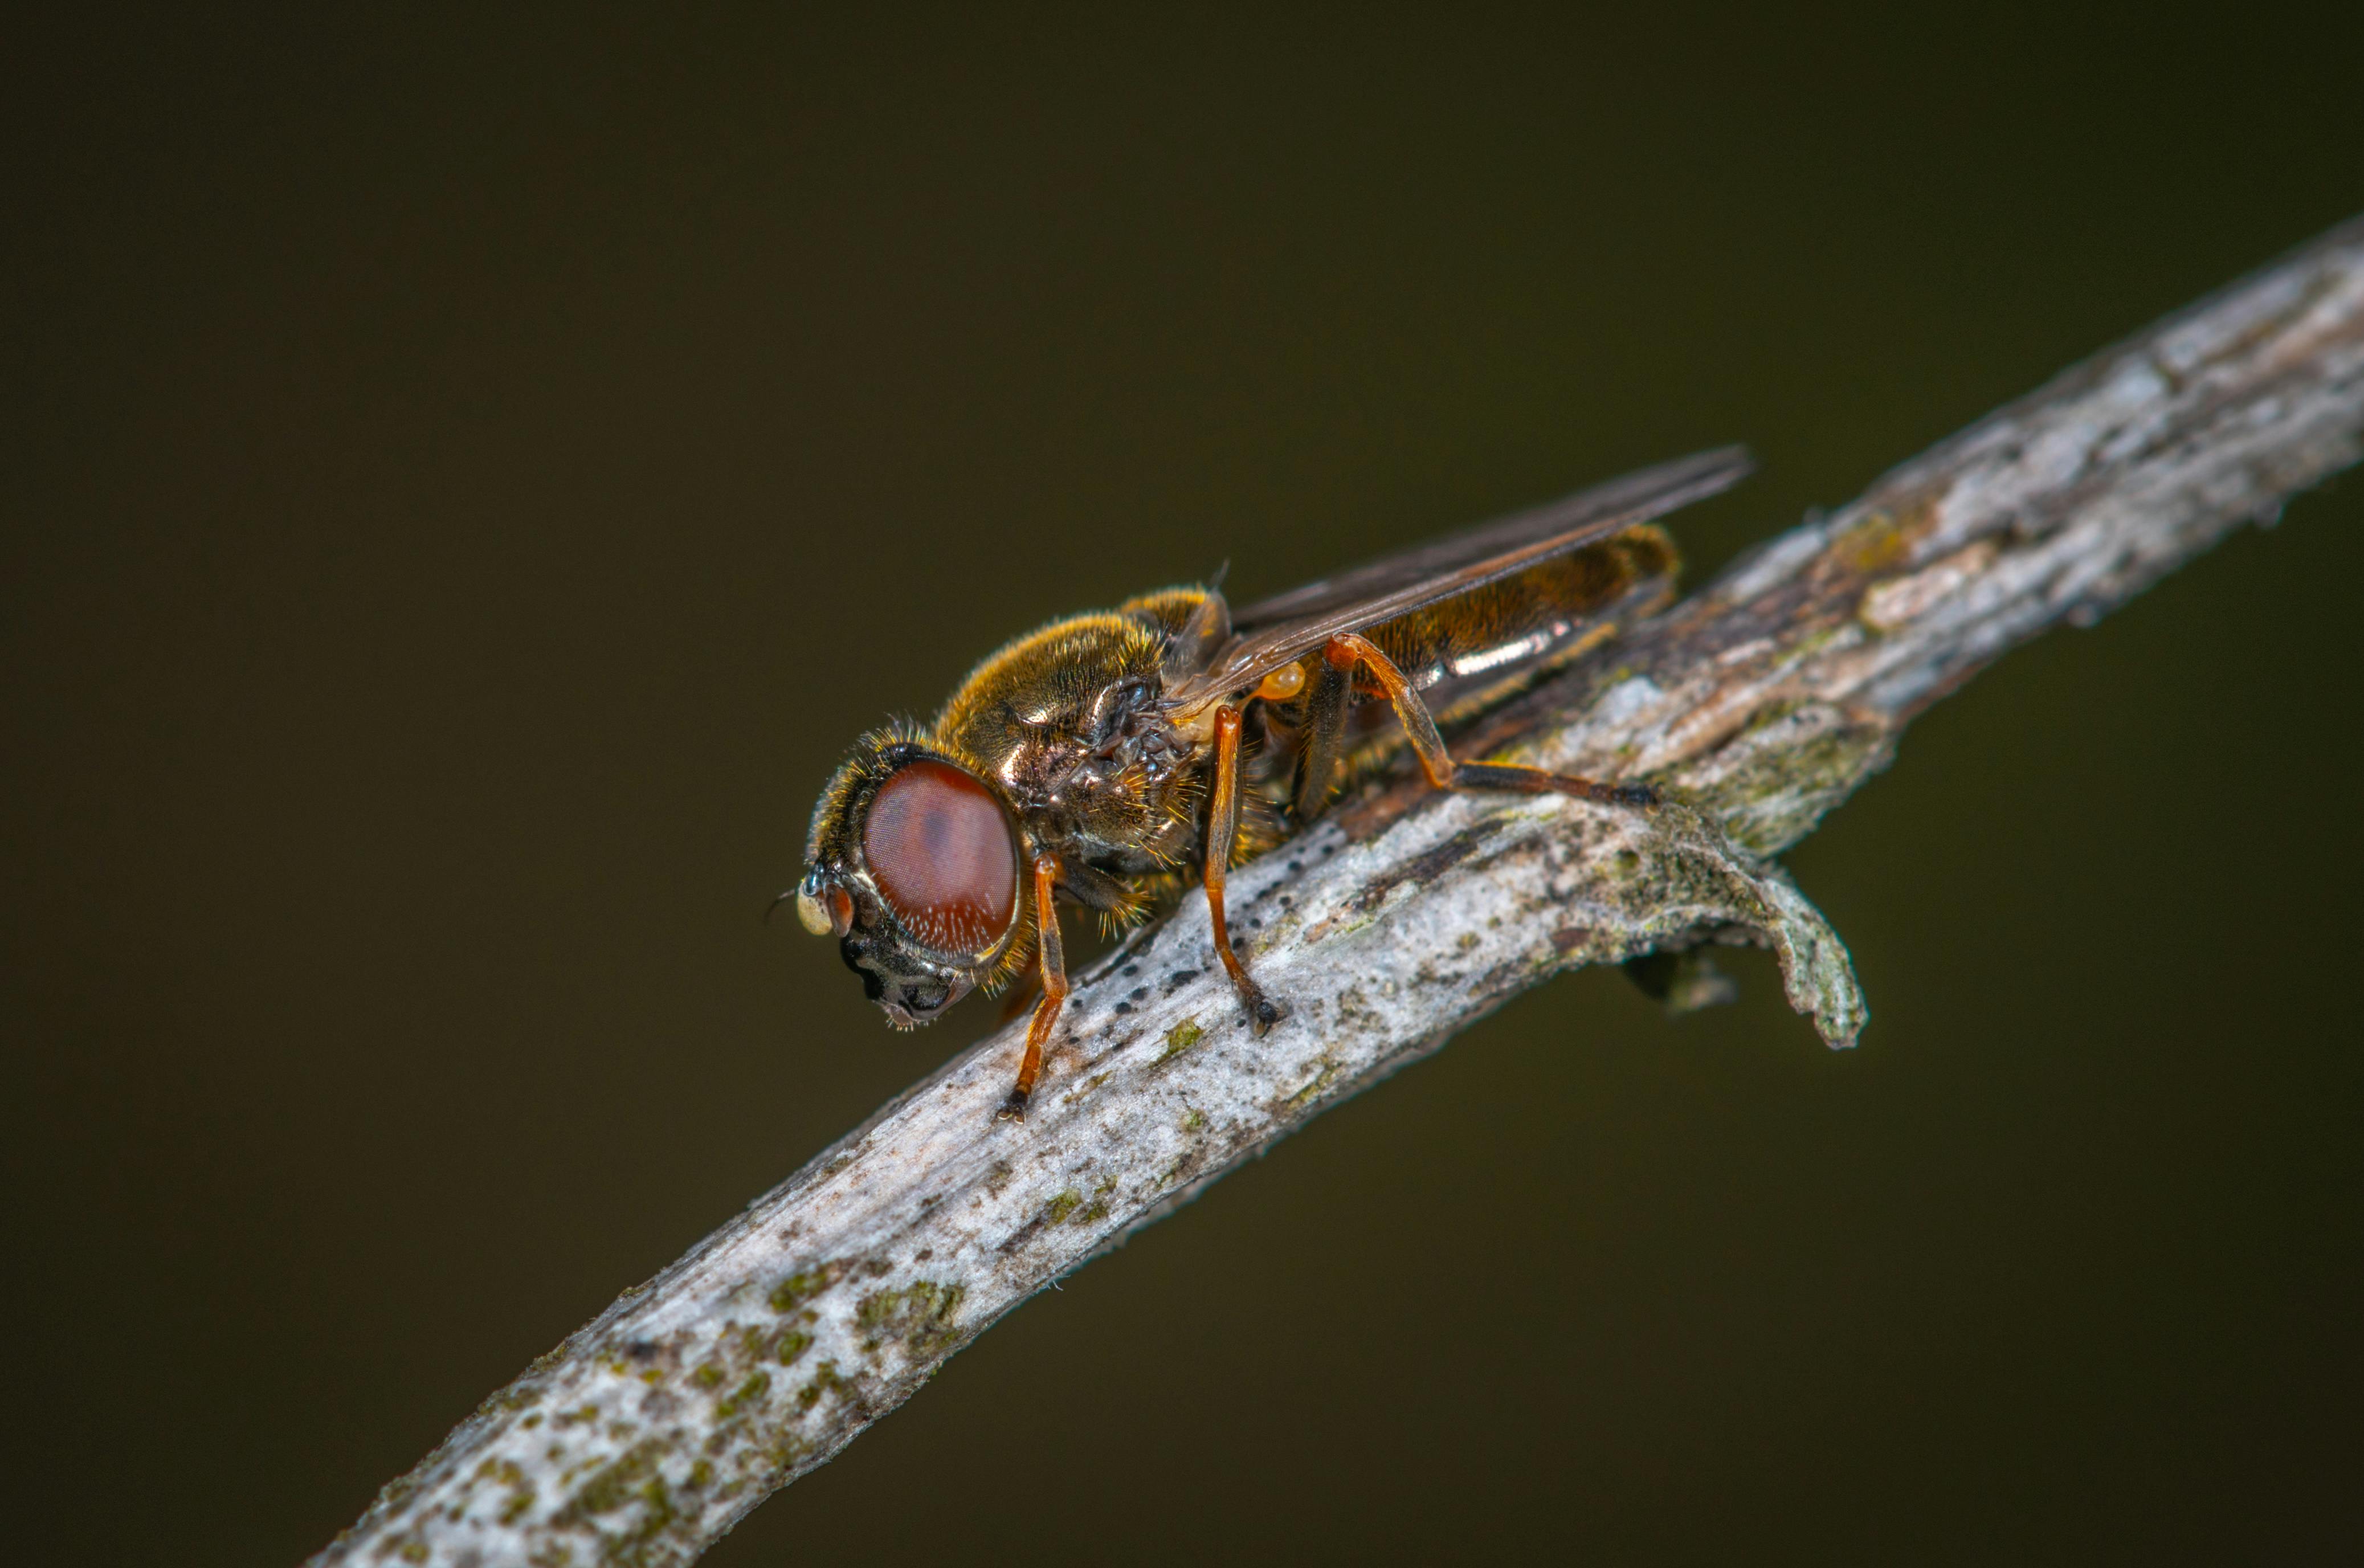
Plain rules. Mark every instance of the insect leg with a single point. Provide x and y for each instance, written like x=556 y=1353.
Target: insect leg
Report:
x=1054 y=988
x=1347 y=649
x=1222 y=832
x=1326 y=709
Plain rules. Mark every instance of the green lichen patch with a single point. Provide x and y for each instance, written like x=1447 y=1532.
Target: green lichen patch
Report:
x=1872 y=544
x=919 y=1317
x=805 y=1283
x=792 y=1346
x=615 y=1484
x=1794 y=767
x=746 y=1395
x=775 y=1453
x=1179 y=1038
x=658 y=1515
x=1321 y=1080
x=825 y=1381
x=516 y=1397
x=506 y=1472
x=1055 y=1212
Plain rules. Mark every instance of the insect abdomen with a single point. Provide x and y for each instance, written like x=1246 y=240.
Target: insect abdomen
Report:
x=1472 y=650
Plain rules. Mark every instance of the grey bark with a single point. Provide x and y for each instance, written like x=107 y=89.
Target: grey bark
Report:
x=1761 y=702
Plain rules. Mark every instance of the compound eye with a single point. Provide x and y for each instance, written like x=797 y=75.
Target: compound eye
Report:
x=941 y=853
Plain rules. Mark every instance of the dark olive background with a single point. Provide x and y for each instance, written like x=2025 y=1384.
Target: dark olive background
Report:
x=470 y=476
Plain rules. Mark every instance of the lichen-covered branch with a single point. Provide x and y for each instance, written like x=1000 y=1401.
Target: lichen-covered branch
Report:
x=1761 y=702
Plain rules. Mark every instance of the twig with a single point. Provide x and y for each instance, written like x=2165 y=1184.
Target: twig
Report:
x=1763 y=701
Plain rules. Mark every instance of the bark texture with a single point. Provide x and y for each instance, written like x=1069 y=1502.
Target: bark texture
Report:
x=1761 y=702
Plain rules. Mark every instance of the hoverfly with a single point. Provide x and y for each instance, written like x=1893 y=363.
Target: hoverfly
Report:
x=1105 y=757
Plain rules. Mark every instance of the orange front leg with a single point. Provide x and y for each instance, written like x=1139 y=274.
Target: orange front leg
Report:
x=1223 y=833
x=1054 y=988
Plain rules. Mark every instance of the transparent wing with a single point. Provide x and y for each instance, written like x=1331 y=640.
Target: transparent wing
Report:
x=1278 y=630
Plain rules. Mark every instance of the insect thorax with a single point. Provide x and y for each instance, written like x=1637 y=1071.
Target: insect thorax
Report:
x=1066 y=721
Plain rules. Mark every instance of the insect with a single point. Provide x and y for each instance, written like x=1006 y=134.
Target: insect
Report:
x=1107 y=758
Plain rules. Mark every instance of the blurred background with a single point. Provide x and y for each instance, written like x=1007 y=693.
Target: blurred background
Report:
x=470 y=475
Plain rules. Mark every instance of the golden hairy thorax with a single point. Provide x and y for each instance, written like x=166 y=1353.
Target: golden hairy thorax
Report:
x=1040 y=687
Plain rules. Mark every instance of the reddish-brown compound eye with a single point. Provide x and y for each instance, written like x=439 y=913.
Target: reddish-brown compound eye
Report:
x=942 y=855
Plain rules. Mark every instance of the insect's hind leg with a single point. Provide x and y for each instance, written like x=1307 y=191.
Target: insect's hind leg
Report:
x=1535 y=780
x=1347 y=649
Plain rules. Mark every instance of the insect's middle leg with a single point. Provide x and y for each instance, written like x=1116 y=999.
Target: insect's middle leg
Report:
x=1054 y=988
x=1326 y=709
x=1348 y=649
x=1222 y=832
